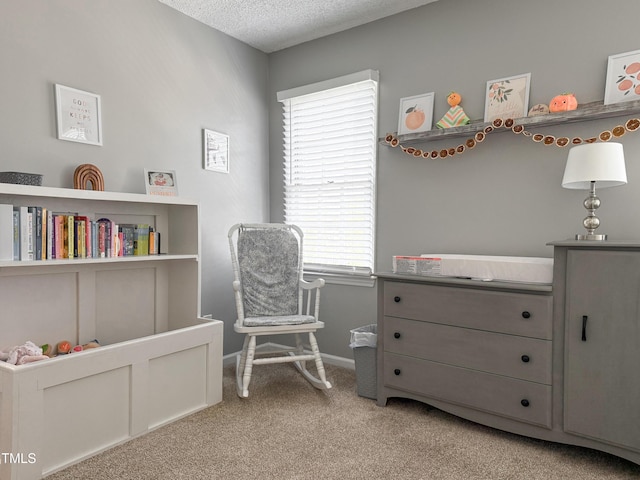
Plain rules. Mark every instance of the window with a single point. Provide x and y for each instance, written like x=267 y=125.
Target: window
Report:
x=330 y=143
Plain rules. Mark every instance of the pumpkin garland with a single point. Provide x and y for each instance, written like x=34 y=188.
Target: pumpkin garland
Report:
x=618 y=131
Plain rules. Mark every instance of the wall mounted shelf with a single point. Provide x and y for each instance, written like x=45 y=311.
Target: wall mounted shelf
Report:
x=585 y=112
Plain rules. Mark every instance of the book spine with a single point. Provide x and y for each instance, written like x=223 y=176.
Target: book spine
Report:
x=24 y=232
x=128 y=234
x=141 y=239
x=59 y=222
x=83 y=236
x=71 y=240
x=83 y=232
x=88 y=238
x=16 y=234
x=76 y=235
x=30 y=234
x=49 y=234
x=94 y=240
x=37 y=232
x=152 y=241
x=120 y=244
x=80 y=235
x=55 y=240
x=102 y=239
x=6 y=232
x=115 y=240
x=136 y=240
x=43 y=233
x=107 y=239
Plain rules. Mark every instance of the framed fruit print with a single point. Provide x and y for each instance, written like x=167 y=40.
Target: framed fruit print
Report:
x=416 y=114
x=623 y=73
x=507 y=97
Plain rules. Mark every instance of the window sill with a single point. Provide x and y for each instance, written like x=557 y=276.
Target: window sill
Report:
x=342 y=279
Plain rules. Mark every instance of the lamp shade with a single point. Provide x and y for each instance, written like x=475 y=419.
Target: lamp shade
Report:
x=602 y=163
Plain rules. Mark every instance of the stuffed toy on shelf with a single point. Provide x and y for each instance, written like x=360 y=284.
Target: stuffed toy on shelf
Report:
x=564 y=102
x=455 y=117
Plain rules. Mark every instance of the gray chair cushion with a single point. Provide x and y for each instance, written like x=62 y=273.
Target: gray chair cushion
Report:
x=268 y=262
x=275 y=321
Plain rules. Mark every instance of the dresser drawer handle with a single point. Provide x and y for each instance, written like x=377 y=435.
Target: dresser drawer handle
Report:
x=397 y=371
x=524 y=402
x=526 y=314
x=396 y=335
x=397 y=299
x=525 y=358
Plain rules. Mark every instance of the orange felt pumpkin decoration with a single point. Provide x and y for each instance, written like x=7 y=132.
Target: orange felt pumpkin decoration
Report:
x=563 y=103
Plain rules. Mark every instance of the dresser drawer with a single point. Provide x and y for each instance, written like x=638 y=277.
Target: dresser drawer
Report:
x=525 y=401
x=514 y=313
x=514 y=356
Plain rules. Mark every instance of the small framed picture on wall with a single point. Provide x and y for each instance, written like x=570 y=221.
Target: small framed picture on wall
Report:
x=507 y=97
x=623 y=82
x=416 y=114
x=78 y=115
x=215 y=151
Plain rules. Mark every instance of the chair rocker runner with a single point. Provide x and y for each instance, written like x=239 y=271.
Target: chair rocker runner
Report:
x=273 y=299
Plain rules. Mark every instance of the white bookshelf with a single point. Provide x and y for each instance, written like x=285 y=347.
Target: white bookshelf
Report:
x=159 y=359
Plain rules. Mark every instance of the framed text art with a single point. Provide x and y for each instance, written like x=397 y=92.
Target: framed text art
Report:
x=215 y=151
x=161 y=182
x=623 y=83
x=507 y=97
x=78 y=115
x=416 y=114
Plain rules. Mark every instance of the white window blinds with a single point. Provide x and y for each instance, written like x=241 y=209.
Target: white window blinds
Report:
x=330 y=142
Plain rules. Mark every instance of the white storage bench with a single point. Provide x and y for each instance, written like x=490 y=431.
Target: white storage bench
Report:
x=56 y=412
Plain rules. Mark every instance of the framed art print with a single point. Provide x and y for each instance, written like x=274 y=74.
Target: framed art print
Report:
x=622 y=84
x=78 y=115
x=507 y=97
x=416 y=114
x=215 y=151
x=161 y=182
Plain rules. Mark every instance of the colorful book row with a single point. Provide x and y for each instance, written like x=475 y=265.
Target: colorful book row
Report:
x=36 y=233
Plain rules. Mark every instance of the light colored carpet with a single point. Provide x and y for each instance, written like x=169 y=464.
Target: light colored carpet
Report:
x=288 y=430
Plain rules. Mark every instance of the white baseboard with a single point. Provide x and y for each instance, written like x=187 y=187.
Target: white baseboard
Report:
x=339 y=361
x=343 y=362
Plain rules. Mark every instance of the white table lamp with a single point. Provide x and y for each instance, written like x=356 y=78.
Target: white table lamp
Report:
x=601 y=163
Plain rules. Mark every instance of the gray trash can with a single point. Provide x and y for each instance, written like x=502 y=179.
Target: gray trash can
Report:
x=363 y=343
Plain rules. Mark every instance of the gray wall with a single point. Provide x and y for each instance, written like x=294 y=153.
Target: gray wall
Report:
x=504 y=197
x=162 y=77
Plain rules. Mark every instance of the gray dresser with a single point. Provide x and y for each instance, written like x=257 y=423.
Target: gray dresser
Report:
x=516 y=356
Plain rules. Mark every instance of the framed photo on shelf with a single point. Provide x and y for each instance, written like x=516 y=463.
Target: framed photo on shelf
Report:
x=416 y=113
x=215 y=151
x=161 y=182
x=507 y=97
x=78 y=115
x=622 y=84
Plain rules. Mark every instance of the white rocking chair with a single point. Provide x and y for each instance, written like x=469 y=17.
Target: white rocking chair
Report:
x=273 y=299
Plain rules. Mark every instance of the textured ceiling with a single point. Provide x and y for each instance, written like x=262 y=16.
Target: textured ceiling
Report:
x=271 y=25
